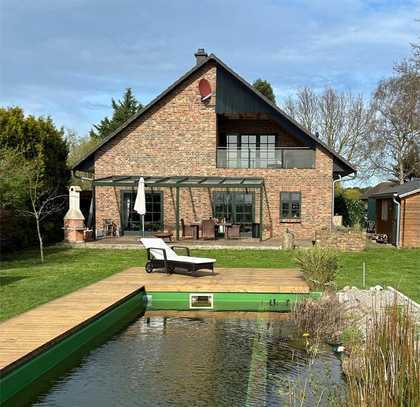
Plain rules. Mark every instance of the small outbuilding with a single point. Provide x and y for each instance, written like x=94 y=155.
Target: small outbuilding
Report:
x=398 y=213
x=371 y=202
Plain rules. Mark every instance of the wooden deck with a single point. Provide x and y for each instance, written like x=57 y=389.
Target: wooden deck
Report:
x=29 y=332
x=235 y=280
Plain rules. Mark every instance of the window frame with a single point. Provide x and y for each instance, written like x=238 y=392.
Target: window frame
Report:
x=289 y=200
x=233 y=203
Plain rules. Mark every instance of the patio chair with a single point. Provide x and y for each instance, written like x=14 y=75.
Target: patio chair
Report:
x=109 y=227
x=233 y=232
x=160 y=255
x=208 y=229
x=187 y=230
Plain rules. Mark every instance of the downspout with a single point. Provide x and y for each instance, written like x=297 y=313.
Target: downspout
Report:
x=333 y=201
x=397 y=237
x=333 y=195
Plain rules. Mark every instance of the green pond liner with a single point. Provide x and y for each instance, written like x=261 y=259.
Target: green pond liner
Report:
x=257 y=302
x=21 y=375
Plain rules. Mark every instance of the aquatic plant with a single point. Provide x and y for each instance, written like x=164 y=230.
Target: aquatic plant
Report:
x=315 y=386
x=319 y=266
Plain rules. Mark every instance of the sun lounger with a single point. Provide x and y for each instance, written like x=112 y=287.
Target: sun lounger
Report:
x=160 y=255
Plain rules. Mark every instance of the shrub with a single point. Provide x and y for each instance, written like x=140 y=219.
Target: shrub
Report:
x=319 y=265
x=352 y=210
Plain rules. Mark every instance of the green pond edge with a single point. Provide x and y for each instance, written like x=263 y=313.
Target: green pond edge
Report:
x=252 y=302
x=108 y=322
x=19 y=378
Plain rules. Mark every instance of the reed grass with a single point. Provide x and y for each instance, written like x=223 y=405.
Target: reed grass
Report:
x=322 y=319
x=386 y=373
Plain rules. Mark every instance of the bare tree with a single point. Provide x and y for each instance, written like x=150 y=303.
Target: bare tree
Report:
x=43 y=200
x=397 y=120
x=304 y=108
x=342 y=120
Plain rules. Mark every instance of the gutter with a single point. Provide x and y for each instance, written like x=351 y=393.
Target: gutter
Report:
x=397 y=237
x=73 y=172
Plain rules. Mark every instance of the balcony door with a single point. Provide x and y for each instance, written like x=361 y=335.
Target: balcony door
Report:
x=153 y=220
x=251 y=151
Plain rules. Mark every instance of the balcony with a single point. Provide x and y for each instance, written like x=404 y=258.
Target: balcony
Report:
x=276 y=158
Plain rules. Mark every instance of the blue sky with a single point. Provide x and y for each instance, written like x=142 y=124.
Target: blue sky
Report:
x=68 y=58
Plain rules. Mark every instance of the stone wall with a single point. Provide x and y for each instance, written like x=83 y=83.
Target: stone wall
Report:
x=346 y=240
x=178 y=137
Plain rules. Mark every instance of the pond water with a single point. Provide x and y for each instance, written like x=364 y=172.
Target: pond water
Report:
x=209 y=361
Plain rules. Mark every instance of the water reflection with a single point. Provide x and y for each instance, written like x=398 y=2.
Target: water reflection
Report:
x=208 y=361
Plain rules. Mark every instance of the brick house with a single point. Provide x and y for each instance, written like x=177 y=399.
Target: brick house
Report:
x=212 y=146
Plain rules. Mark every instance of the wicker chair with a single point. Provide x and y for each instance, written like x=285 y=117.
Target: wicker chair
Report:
x=208 y=229
x=187 y=230
x=109 y=227
x=233 y=232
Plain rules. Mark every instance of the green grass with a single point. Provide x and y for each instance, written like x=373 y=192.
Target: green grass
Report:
x=26 y=283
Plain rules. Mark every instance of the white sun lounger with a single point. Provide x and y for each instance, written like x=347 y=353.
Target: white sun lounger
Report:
x=160 y=255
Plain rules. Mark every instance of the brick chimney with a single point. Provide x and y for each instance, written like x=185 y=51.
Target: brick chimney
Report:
x=200 y=56
x=74 y=221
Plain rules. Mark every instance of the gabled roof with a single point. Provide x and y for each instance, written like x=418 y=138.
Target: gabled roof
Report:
x=340 y=164
x=400 y=190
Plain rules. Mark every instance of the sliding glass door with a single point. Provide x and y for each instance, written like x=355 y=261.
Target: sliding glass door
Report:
x=153 y=220
x=235 y=207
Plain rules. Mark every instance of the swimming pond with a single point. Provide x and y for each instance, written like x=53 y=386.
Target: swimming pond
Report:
x=204 y=361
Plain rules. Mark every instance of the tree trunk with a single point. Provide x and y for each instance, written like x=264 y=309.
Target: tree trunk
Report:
x=41 y=244
x=401 y=174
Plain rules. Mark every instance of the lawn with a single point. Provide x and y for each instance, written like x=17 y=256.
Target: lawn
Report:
x=26 y=283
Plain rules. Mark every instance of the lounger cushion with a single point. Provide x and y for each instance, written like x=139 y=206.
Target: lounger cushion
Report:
x=150 y=242
x=195 y=260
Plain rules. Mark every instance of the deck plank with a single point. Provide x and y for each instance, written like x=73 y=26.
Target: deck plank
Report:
x=27 y=332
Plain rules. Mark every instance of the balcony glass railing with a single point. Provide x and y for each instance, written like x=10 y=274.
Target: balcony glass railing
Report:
x=280 y=157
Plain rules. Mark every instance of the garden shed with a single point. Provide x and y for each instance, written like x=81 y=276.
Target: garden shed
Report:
x=398 y=213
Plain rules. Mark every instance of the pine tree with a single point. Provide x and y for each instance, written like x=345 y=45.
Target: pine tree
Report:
x=265 y=88
x=122 y=110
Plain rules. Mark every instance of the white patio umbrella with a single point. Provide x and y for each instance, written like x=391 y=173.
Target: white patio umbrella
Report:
x=140 y=203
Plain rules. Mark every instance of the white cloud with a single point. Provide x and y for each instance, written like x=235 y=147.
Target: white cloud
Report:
x=68 y=59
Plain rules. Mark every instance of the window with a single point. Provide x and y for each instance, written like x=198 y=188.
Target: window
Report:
x=384 y=210
x=290 y=205
x=203 y=301
x=250 y=151
x=153 y=219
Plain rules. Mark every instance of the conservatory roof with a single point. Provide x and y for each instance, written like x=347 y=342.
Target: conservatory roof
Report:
x=181 y=181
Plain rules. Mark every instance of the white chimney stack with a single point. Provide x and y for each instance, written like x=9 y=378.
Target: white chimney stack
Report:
x=74 y=225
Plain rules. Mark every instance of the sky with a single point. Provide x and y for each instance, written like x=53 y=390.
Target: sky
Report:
x=67 y=59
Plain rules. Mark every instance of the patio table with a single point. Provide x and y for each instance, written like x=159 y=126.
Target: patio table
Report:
x=164 y=235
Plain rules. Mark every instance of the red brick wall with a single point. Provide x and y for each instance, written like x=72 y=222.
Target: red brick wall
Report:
x=178 y=137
